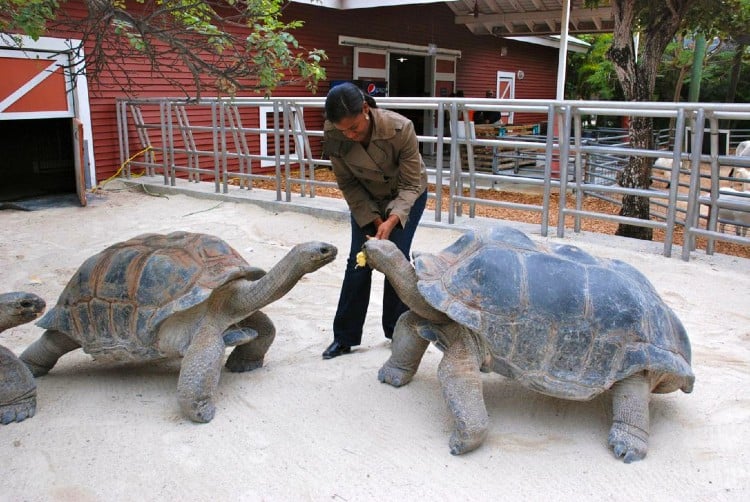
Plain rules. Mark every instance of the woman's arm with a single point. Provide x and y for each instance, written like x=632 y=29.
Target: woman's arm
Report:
x=409 y=176
x=364 y=210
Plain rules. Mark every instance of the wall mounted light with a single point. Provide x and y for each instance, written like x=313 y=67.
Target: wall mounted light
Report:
x=520 y=74
x=503 y=51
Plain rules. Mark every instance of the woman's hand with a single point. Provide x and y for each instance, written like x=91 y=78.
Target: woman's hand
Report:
x=384 y=228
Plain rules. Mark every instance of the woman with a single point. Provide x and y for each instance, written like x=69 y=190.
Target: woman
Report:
x=376 y=161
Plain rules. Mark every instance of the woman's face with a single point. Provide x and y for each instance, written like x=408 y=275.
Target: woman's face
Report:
x=357 y=127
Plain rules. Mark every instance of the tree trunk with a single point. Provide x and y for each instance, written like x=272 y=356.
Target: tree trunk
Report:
x=679 y=84
x=734 y=78
x=637 y=174
x=637 y=76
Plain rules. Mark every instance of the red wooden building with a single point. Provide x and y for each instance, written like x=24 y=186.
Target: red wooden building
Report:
x=57 y=133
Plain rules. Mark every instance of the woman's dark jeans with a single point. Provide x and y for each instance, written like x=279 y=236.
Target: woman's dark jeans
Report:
x=355 y=291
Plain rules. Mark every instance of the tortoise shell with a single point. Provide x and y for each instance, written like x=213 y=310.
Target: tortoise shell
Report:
x=117 y=299
x=558 y=320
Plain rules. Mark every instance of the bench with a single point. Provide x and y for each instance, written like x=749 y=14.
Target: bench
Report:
x=494 y=159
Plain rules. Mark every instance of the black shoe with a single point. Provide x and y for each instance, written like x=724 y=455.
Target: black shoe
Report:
x=336 y=349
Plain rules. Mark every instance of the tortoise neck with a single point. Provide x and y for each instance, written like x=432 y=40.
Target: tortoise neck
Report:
x=278 y=281
x=402 y=276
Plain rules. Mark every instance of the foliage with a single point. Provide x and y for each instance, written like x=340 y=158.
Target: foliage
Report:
x=226 y=45
x=715 y=84
x=718 y=18
x=27 y=16
x=726 y=23
x=592 y=75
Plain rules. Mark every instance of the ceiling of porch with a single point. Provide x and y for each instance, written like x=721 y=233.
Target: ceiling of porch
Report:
x=511 y=18
x=529 y=17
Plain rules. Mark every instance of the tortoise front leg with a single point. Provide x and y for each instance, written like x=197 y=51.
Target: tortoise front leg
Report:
x=249 y=355
x=630 y=417
x=43 y=354
x=461 y=381
x=406 y=351
x=199 y=375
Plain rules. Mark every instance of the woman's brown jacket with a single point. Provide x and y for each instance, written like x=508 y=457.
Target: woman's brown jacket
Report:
x=384 y=179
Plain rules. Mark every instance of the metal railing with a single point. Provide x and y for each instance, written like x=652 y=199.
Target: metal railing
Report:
x=235 y=142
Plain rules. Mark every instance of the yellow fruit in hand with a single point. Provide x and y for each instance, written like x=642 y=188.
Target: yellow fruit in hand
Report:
x=361 y=259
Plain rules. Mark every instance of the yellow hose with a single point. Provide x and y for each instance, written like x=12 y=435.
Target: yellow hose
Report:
x=100 y=185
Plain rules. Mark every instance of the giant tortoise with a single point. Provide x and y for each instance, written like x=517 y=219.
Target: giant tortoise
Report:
x=17 y=386
x=182 y=295
x=559 y=321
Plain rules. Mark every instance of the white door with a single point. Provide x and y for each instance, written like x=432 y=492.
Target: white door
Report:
x=506 y=89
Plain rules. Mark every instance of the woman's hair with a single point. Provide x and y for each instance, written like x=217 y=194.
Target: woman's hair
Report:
x=346 y=100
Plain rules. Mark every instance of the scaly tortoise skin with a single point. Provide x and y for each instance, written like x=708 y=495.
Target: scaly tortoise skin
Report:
x=17 y=385
x=181 y=295
x=559 y=321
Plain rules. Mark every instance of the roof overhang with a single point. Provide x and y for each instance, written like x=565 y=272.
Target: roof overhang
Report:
x=364 y=4
x=514 y=18
x=574 y=44
x=504 y=18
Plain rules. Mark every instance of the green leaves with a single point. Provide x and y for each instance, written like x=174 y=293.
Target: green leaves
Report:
x=207 y=38
x=27 y=16
x=592 y=75
x=273 y=50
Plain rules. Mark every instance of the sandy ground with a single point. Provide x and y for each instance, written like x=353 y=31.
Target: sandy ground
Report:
x=302 y=428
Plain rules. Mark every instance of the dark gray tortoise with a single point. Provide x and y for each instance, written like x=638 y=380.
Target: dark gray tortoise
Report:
x=559 y=321
x=17 y=386
x=169 y=296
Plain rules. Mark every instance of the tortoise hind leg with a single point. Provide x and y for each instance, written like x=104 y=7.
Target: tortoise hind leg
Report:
x=630 y=417
x=460 y=377
x=17 y=389
x=43 y=354
x=249 y=355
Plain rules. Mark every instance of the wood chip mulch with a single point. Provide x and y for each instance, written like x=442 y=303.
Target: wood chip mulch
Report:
x=587 y=224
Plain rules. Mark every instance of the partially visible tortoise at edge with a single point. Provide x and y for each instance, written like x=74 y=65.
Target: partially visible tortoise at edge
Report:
x=559 y=321
x=17 y=386
x=182 y=295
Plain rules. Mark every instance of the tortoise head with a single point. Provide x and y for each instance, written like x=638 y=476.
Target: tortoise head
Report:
x=383 y=255
x=18 y=308
x=386 y=257
x=310 y=256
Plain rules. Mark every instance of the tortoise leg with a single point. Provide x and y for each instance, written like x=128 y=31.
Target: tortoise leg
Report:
x=43 y=354
x=249 y=355
x=406 y=351
x=630 y=418
x=17 y=389
x=199 y=375
x=461 y=381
